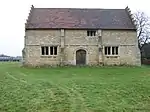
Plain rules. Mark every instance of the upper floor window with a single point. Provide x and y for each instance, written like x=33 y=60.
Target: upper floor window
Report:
x=91 y=33
x=46 y=50
x=111 y=50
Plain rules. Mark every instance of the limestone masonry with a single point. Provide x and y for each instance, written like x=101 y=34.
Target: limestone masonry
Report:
x=66 y=36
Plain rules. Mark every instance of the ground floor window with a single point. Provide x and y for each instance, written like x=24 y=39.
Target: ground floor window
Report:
x=111 y=50
x=49 y=50
x=53 y=50
x=44 y=50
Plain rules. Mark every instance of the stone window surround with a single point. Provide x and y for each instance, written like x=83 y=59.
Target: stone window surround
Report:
x=49 y=51
x=111 y=50
x=91 y=33
x=44 y=50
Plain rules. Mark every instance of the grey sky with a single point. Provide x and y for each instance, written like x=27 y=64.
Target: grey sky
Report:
x=15 y=12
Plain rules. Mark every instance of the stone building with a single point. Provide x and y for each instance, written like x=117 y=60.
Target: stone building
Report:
x=74 y=36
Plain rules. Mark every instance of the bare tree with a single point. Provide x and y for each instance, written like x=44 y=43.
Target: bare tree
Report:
x=143 y=28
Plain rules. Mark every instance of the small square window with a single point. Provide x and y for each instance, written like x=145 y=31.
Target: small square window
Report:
x=91 y=33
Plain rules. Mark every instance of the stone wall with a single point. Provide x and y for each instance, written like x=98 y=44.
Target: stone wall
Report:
x=34 y=57
x=91 y=54
x=79 y=37
x=128 y=47
x=34 y=41
x=43 y=37
x=73 y=40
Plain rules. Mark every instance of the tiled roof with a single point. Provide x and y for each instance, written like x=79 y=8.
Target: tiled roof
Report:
x=76 y=18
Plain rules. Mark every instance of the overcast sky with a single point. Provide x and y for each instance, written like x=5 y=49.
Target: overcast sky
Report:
x=14 y=14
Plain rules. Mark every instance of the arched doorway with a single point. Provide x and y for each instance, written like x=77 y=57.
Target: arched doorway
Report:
x=80 y=57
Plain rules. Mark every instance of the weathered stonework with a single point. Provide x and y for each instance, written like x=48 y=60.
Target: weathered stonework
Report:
x=128 y=47
x=69 y=41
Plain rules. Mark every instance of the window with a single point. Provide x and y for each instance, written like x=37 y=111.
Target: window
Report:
x=52 y=50
x=45 y=50
x=55 y=50
x=111 y=50
x=91 y=33
x=114 y=50
x=107 y=50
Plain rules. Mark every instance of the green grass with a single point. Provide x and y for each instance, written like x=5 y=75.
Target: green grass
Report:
x=74 y=89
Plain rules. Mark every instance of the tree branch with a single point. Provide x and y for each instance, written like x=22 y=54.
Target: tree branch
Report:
x=143 y=28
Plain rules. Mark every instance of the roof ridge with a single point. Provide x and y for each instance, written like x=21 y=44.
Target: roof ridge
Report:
x=84 y=8
x=92 y=8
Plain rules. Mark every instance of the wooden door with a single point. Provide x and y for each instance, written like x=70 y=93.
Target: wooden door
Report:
x=80 y=57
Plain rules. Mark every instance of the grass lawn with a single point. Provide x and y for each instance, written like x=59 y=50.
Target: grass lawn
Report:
x=74 y=89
